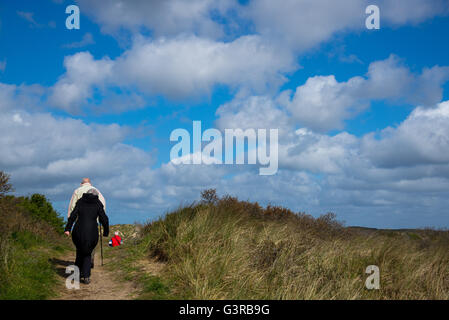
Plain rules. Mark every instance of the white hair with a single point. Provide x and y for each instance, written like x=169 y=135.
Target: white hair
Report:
x=93 y=191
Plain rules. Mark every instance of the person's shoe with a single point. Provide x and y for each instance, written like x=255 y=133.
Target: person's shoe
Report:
x=86 y=280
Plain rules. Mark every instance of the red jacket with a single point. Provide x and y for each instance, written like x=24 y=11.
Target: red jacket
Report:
x=116 y=241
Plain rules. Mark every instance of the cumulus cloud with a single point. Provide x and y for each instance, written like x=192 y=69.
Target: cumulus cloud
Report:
x=301 y=25
x=188 y=51
x=21 y=96
x=33 y=139
x=412 y=11
x=318 y=173
x=403 y=167
x=178 y=68
x=189 y=66
x=163 y=18
x=50 y=155
x=289 y=24
x=391 y=79
x=76 y=85
x=254 y=112
x=323 y=103
x=318 y=153
x=180 y=62
x=343 y=173
x=423 y=138
x=380 y=173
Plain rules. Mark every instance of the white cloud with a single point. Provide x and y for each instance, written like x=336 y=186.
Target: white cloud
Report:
x=423 y=138
x=184 y=67
x=50 y=155
x=190 y=66
x=302 y=25
x=323 y=103
x=33 y=139
x=179 y=61
x=391 y=79
x=188 y=54
x=412 y=11
x=76 y=85
x=163 y=18
x=402 y=171
x=254 y=112
x=318 y=173
x=297 y=25
x=16 y=97
x=318 y=153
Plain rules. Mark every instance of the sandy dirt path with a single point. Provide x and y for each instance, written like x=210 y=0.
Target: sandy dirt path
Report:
x=104 y=283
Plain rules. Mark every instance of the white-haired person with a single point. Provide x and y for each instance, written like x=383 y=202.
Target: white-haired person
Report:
x=86 y=214
x=86 y=185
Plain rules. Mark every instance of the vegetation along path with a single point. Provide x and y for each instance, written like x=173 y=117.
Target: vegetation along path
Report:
x=107 y=282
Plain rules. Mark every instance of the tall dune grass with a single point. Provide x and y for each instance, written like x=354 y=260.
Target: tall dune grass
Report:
x=231 y=249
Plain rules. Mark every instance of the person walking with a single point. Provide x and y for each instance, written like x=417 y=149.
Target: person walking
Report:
x=85 y=232
x=77 y=194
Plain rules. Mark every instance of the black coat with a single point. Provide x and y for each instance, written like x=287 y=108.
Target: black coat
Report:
x=85 y=232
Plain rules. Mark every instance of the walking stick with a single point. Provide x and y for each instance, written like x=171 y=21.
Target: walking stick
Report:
x=101 y=245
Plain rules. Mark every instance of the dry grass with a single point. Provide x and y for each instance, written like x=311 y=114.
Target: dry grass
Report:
x=230 y=249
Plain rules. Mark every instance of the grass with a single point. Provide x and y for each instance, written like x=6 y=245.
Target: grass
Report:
x=128 y=258
x=154 y=288
x=231 y=249
x=29 y=274
x=30 y=235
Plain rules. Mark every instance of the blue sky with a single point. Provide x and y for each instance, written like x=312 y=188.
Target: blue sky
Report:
x=362 y=114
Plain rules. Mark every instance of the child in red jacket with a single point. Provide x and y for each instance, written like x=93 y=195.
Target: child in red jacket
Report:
x=115 y=241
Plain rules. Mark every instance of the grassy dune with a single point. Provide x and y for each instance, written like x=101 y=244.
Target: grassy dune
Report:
x=30 y=234
x=231 y=249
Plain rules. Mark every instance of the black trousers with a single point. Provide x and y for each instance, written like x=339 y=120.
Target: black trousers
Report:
x=84 y=263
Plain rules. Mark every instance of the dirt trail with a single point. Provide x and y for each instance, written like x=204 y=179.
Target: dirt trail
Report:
x=104 y=283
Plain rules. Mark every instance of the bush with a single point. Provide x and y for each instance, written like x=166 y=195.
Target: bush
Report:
x=209 y=196
x=40 y=208
x=5 y=186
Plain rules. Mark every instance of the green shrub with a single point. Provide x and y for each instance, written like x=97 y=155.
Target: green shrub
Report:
x=40 y=208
